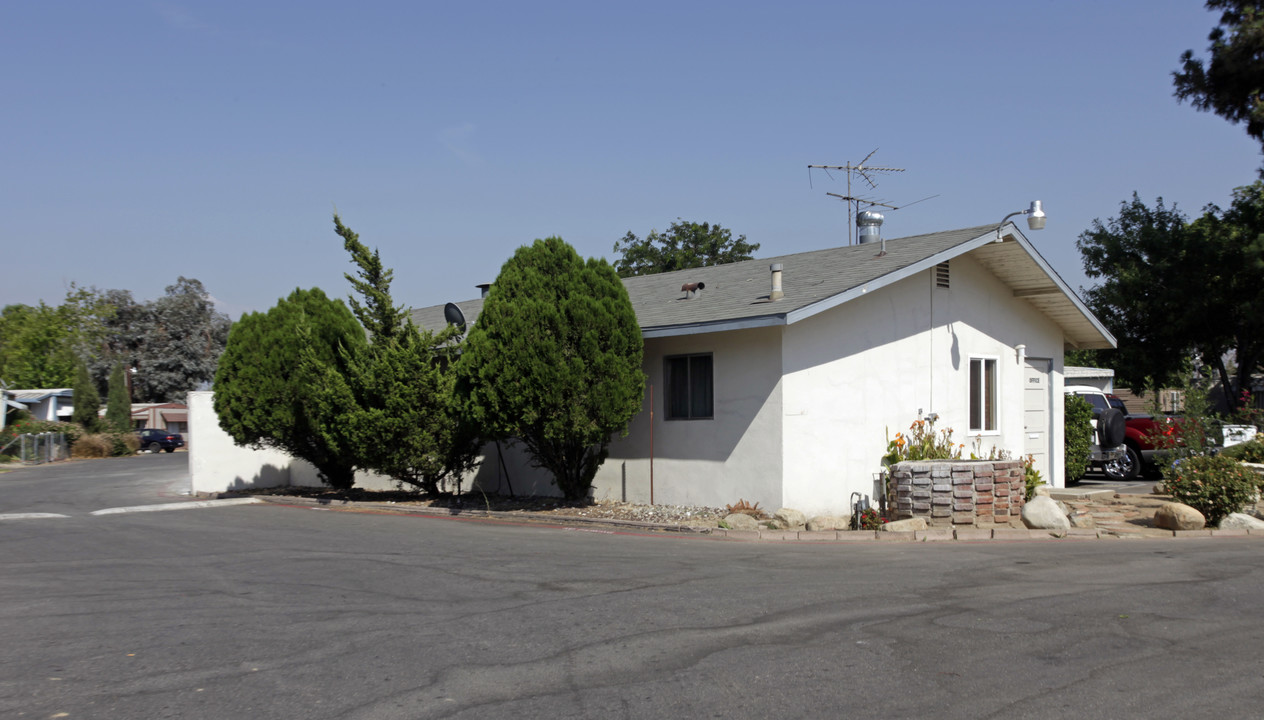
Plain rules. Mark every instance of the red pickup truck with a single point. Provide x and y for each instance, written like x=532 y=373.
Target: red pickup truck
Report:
x=1142 y=457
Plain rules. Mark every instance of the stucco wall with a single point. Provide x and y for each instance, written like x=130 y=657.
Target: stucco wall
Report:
x=216 y=464
x=872 y=364
x=736 y=454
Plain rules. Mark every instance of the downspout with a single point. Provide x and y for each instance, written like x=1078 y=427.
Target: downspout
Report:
x=651 y=444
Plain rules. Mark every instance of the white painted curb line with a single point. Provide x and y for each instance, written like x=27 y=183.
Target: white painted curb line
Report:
x=31 y=516
x=176 y=506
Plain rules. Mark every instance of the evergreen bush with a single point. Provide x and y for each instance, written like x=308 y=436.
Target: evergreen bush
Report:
x=1077 y=429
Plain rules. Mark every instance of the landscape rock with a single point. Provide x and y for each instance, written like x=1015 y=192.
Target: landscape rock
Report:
x=1178 y=516
x=1241 y=521
x=1063 y=507
x=1042 y=490
x=1159 y=489
x=828 y=522
x=906 y=525
x=741 y=521
x=1043 y=513
x=1082 y=519
x=788 y=519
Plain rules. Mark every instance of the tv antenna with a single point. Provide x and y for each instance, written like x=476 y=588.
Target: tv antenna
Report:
x=864 y=172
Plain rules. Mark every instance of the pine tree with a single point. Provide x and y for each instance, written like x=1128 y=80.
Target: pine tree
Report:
x=281 y=382
x=555 y=361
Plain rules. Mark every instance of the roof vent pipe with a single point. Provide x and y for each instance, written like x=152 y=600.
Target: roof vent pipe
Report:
x=868 y=226
x=484 y=288
x=776 y=293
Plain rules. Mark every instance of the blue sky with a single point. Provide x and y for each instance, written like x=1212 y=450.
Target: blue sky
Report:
x=148 y=140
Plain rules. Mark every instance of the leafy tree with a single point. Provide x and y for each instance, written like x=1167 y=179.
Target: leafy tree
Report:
x=399 y=391
x=118 y=406
x=173 y=342
x=684 y=245
x=555 y=361
x=1231 y=82
x=179 y=338
x=277 y=382
x=1139 y=255
x=87 y=401
x=42 y=345
x=1174 y=290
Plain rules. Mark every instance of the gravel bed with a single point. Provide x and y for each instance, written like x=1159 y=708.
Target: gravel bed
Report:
x=687 y=515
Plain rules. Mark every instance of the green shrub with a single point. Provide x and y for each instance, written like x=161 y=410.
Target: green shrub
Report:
x=1252 y=452
x=1213 y=485
x=1077 y=428
x=123 y=443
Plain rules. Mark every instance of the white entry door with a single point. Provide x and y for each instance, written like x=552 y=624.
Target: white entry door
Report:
x=1037 y=414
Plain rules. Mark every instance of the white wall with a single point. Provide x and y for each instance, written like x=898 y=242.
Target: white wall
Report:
x=735 y=454
x=873 y=363
x=216 y=464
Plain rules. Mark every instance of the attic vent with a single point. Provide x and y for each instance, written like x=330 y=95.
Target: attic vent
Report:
x=941 y=275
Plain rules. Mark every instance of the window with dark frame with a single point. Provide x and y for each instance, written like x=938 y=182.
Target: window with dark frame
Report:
x=690 y=394
x=982 y=394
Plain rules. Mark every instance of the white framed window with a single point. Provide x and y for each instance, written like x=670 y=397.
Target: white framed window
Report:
x=982 y=394
x=690 y=387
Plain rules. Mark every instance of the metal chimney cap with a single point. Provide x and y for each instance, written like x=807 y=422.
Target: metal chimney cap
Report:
x=775 y=267
x=869 y=217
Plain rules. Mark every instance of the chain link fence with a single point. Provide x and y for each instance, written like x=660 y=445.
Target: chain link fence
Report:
x=35 y=449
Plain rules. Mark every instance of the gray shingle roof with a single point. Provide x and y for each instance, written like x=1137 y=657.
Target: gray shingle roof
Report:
x=736 y=294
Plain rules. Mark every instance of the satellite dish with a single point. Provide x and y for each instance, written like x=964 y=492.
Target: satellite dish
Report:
x=454 y=316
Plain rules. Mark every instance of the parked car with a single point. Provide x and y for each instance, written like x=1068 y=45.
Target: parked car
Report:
x=1140 y=432
x=1109 y=428
x=153 y=440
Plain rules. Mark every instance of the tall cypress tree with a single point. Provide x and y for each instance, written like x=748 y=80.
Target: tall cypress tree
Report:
x=87 y=401
x=118 y=405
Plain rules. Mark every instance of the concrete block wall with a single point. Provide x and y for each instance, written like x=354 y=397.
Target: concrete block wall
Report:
x=958 y=492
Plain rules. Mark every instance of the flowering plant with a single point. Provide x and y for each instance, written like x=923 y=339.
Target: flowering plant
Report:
x=871 y=520
x=922 y=443
x=1214 y=485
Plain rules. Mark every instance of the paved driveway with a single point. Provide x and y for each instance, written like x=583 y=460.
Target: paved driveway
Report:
x=280 y=612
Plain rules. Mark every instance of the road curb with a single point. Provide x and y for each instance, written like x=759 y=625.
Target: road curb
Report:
x=816 y=537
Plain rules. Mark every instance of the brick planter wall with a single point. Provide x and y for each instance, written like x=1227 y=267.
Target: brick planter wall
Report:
x=958 y=492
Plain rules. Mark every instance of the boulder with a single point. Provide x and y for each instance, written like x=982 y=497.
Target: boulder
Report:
x=1082 y=519
x=1159 y=489
x=906 y=525
x=1178 y=516
x=1241 y=521
x=1043 y=513
x=828 y=522
x=788 y=519
x=1062 y=507
x=741 y=521
x=1042 y=490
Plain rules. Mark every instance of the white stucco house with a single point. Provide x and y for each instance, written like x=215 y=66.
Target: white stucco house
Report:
x=786 y=399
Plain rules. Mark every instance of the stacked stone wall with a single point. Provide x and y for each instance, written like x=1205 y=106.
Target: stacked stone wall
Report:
x=958 y=492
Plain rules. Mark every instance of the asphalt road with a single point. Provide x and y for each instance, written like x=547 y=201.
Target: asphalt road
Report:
x=267 y=611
